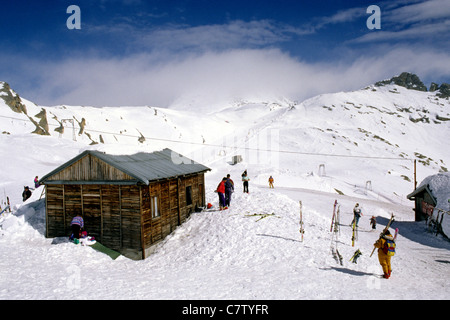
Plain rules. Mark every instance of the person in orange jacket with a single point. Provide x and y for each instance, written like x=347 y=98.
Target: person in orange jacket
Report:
x=386 y=247
x=271 y=182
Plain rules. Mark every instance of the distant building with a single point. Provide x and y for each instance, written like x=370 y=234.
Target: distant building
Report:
x=432 y=201
x=128 y=202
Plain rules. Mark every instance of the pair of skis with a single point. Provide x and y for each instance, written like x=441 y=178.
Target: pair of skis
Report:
x=354 y=232
x=356 y=255
x=335 y=234
x=7 y=208
x=334 y=218
x=386 y=229
x=4 y=210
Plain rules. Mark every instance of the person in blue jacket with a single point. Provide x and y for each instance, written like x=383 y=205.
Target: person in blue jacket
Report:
x=229 y=189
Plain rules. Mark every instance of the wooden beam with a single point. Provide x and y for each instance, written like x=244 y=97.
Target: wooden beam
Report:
x=179 y=202
x=101 y=215
x=142 y=223
x=64 y=209
x=46 y=212
x=120 y=216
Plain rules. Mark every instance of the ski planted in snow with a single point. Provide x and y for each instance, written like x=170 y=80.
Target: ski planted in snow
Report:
x=6 y=208
x=302 y=231
x=341 y=259
x=354 y=232
x=334 y=239
x=384 y=230
x=334 y=214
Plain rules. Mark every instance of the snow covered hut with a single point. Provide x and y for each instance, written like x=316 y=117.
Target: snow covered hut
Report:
x=128 y=202
x=432 y=200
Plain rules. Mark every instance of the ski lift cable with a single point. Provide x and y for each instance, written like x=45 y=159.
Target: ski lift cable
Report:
x=235 y=147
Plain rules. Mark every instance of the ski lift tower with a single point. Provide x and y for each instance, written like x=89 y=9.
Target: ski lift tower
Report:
x=322 y=170
x=74 y=137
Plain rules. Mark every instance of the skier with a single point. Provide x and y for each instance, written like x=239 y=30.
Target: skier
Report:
x=77 y=224
x=26 y=194
x=356 y=214
x=373 y=222
x=271 y=182
x=386 y=249
x=229 y=189
x=245 y=179
x=36 y=182
x=221 y=191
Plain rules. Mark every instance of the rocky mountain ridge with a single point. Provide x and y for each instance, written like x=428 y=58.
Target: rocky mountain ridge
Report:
x=412 y=81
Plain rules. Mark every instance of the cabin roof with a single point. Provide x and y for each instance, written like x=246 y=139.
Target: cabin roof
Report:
x=419 y=191
x=143 y=167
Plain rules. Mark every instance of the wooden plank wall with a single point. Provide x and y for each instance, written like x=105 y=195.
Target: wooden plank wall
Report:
x=55 y=222
x=171 y=196
x=90 y=168
x=111 y=221
x=72 y=205
x=111 y=213
x=130 y=217
x=118 y=215
x=92 y=209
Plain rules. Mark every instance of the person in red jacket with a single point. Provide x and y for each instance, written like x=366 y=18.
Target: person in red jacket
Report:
x=221 y=191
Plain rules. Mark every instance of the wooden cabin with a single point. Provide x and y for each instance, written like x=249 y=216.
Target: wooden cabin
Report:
x=424 y=201
x=128 y=202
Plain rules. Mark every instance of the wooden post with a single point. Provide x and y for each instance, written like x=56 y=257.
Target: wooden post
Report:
x=120 y=215
x=64 y=208
x=142 y=222
x=82 y=204
x=415 y=174
x=178 y=199
x=46 y=211
x=101 y=214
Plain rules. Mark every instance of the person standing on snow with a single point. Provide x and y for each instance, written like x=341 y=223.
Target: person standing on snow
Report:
x=245 y=179
x=26 y=194
x=271 y=182
x=373 y=222
x=356 y=214
x=221 y=191
x=386 y=249
x=229 y=189
x=77 y=224
x=36 y=182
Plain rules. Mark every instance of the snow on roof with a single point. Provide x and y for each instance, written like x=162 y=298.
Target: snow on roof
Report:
x=439 y=185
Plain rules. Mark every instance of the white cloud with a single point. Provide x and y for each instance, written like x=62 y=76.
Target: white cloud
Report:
x=422 y=12
x=342 y=16
x=405 y=21
x=428 y=31
x=175 y=37
x=213 y=78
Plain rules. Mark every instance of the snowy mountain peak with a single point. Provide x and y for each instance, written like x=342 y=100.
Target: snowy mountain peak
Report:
x=405 y=79
x=412 y=81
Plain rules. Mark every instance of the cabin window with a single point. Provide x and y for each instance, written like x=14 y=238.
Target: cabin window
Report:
x=155 y=207
x=188 y=196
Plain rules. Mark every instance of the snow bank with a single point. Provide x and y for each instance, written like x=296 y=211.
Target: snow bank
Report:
x=439 y=185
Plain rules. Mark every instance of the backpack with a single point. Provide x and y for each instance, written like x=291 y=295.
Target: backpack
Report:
x=389 y=247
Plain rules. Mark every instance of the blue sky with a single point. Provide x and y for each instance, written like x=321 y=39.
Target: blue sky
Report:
x=164 y=53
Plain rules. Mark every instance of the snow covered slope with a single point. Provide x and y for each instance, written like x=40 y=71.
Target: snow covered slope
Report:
x=362 y=141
